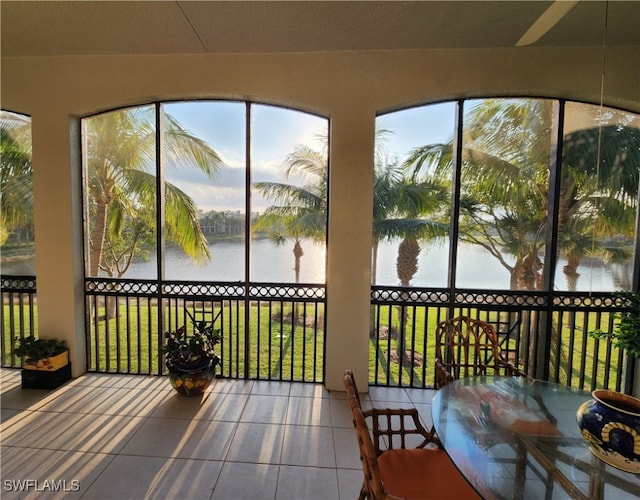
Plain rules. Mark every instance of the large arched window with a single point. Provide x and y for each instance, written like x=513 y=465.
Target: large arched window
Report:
x=522 y=212
x=173 y=189
x=548 y=196
x=206 y=211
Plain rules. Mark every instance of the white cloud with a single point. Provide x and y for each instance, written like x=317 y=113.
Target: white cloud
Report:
x=275 y=133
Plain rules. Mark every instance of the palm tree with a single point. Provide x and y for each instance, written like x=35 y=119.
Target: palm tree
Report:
x=298 y=211
x=121 y=181
x=505 y=166
x=399 y=206
x=16 y=174
x=600 y=198
x=419 y=207
x=405 y=209
x=422 y=208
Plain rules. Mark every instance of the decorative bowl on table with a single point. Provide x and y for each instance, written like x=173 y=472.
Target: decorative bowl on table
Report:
x=610 y=424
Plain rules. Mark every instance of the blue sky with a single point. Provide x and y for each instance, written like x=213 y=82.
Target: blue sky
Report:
x=414 y=127
x=275 y=133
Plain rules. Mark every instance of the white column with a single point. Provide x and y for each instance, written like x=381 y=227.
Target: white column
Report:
x=57 y=198
x=349 y=249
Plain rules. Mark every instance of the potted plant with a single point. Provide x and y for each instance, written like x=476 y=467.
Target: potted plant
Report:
x=626 y=334
x=191 y=361
x=45 y=362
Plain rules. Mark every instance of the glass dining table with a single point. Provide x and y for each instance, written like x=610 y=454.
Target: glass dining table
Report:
x=517 y=438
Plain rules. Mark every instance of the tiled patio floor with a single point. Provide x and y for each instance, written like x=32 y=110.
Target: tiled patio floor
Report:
x=130 y=437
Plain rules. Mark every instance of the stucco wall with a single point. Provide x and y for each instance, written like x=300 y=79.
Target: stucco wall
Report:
x=347 y=87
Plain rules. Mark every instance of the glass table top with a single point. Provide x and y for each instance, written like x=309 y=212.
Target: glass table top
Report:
x=514 y=437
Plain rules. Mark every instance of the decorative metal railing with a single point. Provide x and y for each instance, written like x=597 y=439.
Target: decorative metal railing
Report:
x=18 y=315
x=276 y=331
x=547 y=335
x=269 y=331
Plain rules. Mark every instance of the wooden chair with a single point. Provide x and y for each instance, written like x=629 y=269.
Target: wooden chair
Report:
x=392 y=469
x=466 y=347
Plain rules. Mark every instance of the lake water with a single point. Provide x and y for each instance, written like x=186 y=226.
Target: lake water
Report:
x=270 y=263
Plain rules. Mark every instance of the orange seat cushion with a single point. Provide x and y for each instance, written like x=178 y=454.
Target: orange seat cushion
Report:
x=419 y=473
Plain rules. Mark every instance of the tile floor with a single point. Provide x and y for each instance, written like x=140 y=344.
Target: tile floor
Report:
x=132 y=437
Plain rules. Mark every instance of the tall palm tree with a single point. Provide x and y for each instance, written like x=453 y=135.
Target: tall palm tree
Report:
x=16 y=174
x=121 y=181
x=600 y=197
x=505 y=166
x=299 y=211
x=406 y=209
x=422 y=214
x=400 y=205
x=421 y=209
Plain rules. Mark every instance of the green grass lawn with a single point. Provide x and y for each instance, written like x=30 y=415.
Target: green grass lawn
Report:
x=278 y=349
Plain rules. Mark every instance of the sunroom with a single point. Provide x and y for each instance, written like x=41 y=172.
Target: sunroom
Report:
x=421 y=94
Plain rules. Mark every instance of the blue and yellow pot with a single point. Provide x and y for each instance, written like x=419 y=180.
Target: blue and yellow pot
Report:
x=610 y=424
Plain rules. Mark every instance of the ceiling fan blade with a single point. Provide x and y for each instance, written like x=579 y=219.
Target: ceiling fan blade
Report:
x=549 y=18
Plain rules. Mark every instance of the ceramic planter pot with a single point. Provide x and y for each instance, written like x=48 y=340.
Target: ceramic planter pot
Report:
x=610 y=424
x=191 y=381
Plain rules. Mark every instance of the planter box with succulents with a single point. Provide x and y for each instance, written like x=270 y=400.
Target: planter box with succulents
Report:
x=45 y=362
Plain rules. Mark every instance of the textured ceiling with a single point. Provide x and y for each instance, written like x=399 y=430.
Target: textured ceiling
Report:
x=54 y=28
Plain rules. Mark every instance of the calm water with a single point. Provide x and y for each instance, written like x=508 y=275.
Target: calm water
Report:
x=272 y=263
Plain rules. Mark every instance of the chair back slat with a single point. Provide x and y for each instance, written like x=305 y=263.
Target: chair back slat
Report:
x=467 y=347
